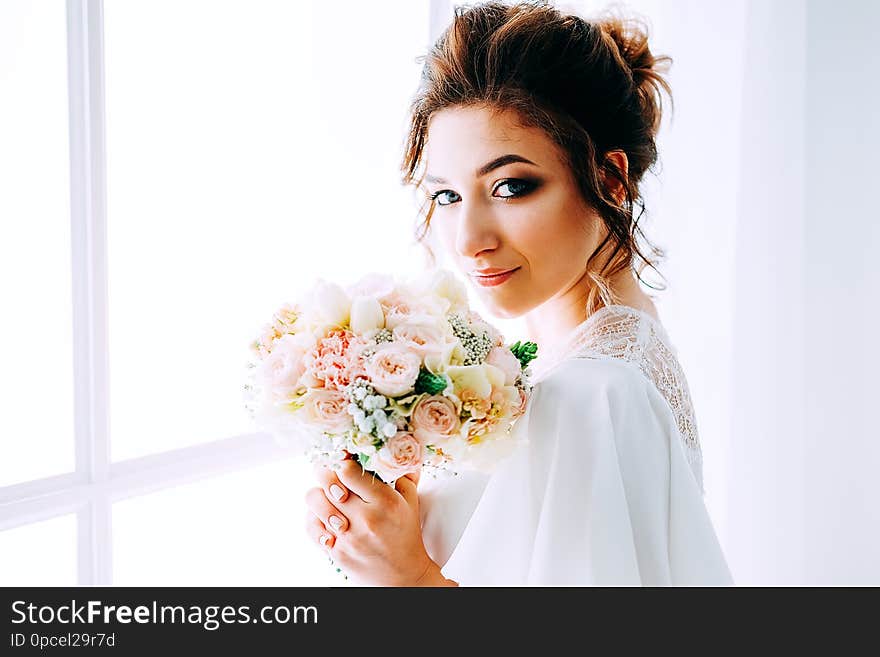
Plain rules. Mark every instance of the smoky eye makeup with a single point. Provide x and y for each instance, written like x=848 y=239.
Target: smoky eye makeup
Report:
x=510 y=189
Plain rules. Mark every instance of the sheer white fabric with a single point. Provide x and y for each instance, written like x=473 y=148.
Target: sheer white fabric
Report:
x=605 y=488
x=635 y=337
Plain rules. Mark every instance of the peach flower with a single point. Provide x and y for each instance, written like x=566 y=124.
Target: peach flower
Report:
x=435 y=418
x=504 y=360
x=425 y=340
x=327 y=409
x=393 y=369
x=401 y=454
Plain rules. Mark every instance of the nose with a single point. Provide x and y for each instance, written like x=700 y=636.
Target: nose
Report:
x=477 y=231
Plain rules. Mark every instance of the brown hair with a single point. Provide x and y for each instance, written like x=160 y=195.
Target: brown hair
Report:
x=592 y=86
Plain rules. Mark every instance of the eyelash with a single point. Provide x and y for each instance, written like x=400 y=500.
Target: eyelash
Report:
x=529 y=187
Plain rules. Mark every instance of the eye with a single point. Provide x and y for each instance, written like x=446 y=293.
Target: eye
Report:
x=514 y=187
x=436 y=196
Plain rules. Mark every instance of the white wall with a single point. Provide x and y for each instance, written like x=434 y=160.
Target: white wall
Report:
x=842 y=291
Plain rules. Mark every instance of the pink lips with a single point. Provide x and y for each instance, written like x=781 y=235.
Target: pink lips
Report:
x=492 y=277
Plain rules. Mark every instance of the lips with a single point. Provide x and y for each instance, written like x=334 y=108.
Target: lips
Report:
x=493 y=276
x=492 y=271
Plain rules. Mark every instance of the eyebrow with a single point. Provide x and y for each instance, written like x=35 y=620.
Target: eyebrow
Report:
x=486 y=168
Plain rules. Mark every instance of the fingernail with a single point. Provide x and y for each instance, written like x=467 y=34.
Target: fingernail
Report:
x=325 y=538
x=335 y=522
x=336 y=491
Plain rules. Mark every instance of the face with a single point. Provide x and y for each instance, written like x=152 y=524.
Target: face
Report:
x=505 y=201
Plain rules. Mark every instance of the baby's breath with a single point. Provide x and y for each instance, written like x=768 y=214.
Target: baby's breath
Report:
x=476 y=345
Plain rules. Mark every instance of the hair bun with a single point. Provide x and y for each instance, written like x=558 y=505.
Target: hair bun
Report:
x=628 y=39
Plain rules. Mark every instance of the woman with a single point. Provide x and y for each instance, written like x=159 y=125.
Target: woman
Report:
x=530 y=135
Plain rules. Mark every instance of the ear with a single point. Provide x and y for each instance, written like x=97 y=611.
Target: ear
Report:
x=616 y=158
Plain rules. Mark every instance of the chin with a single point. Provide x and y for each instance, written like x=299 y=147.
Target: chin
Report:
x=503 y=310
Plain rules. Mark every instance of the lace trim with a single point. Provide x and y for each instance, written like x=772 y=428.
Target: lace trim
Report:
x=633 y=336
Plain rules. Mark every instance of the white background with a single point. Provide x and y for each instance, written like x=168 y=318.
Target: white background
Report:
x=243 y=140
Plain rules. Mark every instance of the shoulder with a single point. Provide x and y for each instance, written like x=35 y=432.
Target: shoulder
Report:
x=576 y=377
x=591 y=416
x=601 y=392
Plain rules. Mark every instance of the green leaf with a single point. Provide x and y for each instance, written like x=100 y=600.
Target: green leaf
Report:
x=525 y=352
x=429 y=382
x=363 y=459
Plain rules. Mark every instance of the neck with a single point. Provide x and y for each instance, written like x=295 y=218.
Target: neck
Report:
x=552 y=321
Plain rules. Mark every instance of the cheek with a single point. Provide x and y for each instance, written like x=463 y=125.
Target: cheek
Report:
x=444 y=232
x=558 y=235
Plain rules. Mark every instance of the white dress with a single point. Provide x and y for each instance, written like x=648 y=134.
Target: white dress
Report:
x=606 y=488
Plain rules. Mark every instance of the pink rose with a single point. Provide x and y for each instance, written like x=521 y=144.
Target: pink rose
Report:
x=504 y=360
x=421 y=339
x=400 y=455
x=393 y=369
x=328 y=409
x=435 y=418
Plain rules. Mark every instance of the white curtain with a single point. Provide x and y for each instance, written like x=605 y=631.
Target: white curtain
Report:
x=764 y=204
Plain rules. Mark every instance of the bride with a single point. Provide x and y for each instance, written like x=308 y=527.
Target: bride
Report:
x=529 y=135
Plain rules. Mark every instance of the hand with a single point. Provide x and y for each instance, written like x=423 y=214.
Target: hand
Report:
x=371 y=530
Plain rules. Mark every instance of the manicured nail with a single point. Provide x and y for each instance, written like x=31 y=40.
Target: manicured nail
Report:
x=335 y=522
x=325 y=538
x=336 y=491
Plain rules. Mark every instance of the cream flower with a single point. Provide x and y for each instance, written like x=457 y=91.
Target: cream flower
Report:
x=478 y=378
x=442 y=284
x=282 y=370
x=328 y=307
x=372 y=285
x=366 y=315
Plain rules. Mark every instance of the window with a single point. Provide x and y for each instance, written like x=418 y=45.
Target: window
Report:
x=169 y=161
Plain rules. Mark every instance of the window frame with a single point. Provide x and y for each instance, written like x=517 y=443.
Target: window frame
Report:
x=97 y=482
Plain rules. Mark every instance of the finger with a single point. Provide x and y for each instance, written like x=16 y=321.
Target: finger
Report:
x=337 y=492
x=415 y=476
x=408 y=487
x=319 y=533
x=325 y=511
x=366 y=485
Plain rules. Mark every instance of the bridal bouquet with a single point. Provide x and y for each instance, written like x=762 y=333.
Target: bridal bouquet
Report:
x=398 y=375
